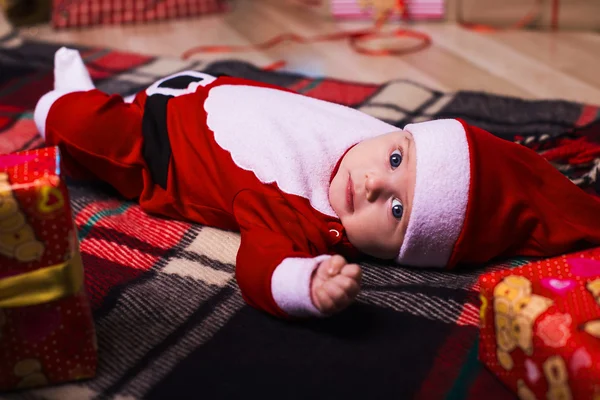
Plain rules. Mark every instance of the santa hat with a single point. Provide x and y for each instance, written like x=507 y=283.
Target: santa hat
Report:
x=479 y=197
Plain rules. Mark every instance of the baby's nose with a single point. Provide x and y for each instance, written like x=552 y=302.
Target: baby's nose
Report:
x=374 y=185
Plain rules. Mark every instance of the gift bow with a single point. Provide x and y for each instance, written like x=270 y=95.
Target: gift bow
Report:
x=43 y=285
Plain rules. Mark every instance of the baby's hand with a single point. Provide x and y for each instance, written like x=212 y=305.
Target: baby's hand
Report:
x=335 y=285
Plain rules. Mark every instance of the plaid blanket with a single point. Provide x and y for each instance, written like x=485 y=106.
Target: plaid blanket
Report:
x=170 y=319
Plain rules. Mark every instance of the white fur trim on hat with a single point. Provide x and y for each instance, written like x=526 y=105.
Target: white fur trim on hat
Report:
x=441 y=193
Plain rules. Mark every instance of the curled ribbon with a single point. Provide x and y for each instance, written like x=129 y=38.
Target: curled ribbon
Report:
x=43 y=285
x=357 y=40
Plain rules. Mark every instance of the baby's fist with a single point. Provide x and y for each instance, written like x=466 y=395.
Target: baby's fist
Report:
x=335 y=285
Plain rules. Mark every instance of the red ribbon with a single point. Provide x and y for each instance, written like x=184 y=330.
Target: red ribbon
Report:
x=356 y=40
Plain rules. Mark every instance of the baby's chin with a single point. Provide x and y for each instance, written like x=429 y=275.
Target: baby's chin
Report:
x=337 y=196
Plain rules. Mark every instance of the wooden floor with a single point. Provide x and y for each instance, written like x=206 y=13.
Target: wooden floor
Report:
x=529 y=64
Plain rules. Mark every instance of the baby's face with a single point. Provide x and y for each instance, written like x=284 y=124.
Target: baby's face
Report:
x=372 y=193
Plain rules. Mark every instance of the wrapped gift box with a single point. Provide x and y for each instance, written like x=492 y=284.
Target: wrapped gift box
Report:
x=47 y=333
x=540 y=327
x=413 y=10
x=26 y=13
x=84 y=13
x=546 y=14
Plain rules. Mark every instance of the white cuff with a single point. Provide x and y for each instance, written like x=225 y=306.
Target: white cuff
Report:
x=290 y=286
x=40 y=115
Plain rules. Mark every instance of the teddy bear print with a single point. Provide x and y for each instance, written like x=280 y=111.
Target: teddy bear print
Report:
x=10 y=217
x=523 y=392
x=557 y=376
x=516 y=310
x=592 y=327
x=522 y=325
x=17 y=238
x=30 y=373
x=482 y=310
x=594 y=288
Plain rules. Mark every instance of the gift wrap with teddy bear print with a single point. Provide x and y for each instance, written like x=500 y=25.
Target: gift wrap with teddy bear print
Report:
x=47 y=333
x=540 y=327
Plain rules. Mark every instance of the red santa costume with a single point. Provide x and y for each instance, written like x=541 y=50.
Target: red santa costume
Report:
x=242 y=155
x=221 y=152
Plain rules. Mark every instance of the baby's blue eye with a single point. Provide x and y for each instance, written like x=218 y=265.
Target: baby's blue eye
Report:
x=397 y=209
x=396 y=159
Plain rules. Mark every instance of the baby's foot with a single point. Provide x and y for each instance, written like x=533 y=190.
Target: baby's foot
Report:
x=70 y=73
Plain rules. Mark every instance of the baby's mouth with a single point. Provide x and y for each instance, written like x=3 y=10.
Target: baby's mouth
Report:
x=350 y=194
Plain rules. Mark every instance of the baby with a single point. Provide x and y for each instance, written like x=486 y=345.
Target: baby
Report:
x=311 y=184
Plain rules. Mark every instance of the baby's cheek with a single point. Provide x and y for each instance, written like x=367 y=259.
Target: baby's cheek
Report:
x=370 y=235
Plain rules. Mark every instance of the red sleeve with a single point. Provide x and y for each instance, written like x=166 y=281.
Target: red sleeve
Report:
x=274 y=263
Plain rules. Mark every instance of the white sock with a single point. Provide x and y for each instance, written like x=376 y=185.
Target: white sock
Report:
x=70 y=73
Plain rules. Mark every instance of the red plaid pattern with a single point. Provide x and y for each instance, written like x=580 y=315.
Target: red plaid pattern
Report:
x=84 y=13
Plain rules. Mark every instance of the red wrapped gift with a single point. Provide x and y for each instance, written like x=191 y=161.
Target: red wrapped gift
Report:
x=412 y=10
x=540 y=327
x=47 y=333
x=84 y=13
